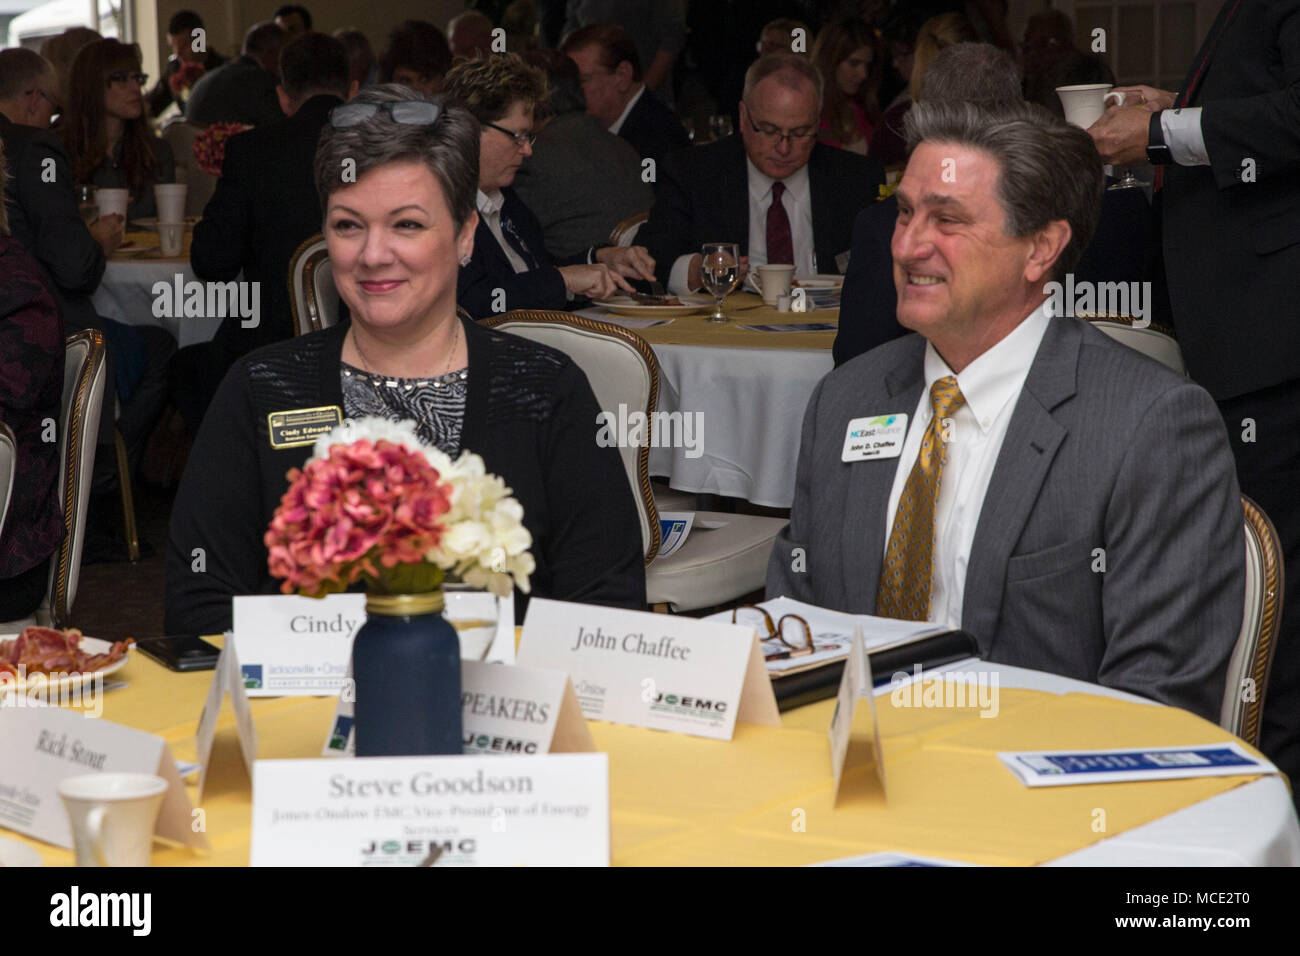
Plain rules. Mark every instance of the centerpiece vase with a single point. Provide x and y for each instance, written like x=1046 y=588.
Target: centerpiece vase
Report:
x=406 y=665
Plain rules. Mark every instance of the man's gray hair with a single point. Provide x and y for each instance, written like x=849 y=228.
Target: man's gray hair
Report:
x=1048 y=169
x=972 y=72
x=21 y=69
x=449 y=147
x=788 y=69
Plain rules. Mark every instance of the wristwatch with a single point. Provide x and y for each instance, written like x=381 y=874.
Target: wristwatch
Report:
x=1157 y=152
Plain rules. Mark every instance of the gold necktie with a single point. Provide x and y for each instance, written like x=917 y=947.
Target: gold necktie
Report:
x=904 y=591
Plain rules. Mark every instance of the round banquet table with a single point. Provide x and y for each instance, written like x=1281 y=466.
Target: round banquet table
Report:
x=126 y=291
x=749 y=388
x=681 y=800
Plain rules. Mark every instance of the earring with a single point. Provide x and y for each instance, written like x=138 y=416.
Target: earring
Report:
x=465 y=260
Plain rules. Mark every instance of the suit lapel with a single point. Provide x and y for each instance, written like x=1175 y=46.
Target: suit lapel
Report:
x=863 y=544
x=821 y=191
x=733 y=211
x=1032 y=439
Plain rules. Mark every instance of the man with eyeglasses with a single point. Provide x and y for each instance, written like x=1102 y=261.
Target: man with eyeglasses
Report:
x=784 y=197
x=610 y=69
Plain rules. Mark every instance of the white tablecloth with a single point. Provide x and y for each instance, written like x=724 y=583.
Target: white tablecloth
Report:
x=751 y=404
x=126 y=294
x=1251 y=825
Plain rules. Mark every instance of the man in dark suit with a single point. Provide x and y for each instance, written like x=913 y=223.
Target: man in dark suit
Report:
x=1011 y=470
x=265 y=204
x=242 y=91
x=1227 y=148
x=610 y=68
x=979 y=73
x=581 y=180
x=774 y=190
x=180 y=37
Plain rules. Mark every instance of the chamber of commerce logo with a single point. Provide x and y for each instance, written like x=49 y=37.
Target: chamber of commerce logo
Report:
x=252 y=674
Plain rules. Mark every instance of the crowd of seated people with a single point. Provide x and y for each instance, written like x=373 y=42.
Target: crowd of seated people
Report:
x=453 y=179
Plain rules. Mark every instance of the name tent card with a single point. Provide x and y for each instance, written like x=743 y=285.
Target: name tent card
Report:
x=293 y=646
x=854 y=731
x=226 y=681
x=449 y=811
x=41 y=746
x=653 y=670
x=504 y=710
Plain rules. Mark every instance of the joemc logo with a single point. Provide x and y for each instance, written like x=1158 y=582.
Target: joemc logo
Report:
x=486 y=743
x=680 y=703
x=383 y=852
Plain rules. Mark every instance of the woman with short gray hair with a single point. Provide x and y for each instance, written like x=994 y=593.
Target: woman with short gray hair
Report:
x=397 y=173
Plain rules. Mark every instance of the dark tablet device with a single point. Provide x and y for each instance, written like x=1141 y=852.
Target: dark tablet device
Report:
x=186 y=652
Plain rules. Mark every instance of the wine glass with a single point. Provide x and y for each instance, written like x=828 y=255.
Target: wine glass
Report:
x=720 y=271
x=86 y=204
x=1129 y=181
x=720 y=126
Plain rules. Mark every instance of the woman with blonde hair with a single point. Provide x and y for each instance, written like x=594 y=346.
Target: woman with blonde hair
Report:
x=848 y=55
x=105 y=126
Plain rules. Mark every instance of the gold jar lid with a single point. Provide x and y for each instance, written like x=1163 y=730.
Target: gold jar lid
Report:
x=404 y=605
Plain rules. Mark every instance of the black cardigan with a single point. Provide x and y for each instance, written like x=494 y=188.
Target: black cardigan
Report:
x=530 y=413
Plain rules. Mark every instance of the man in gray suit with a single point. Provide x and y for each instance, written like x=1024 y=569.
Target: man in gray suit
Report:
x=1010 y=470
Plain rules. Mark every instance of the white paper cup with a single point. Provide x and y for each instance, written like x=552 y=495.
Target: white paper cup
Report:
x=171 y=237
x=112 y=201
x=1085 y=103
x=773 y=281
x=170 y=199
x=113 y=816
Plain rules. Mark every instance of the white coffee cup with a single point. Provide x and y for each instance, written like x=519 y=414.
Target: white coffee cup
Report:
x=170 y=199
x=773 y=281
x=1085 y=103
x=113 y=816
x=112 y=201
x=171 y=238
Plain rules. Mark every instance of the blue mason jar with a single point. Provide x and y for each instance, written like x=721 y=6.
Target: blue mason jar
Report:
x=406 y=664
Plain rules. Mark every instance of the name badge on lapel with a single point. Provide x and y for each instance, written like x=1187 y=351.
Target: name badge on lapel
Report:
x=876 y=436
x=301 y=426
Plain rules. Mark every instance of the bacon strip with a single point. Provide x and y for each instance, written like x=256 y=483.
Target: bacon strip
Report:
x=44 y=650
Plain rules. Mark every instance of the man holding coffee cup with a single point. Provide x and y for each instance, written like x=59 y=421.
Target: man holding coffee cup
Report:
x=1227 y=153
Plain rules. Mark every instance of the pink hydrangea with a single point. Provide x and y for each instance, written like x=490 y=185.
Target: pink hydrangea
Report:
x=366 y=507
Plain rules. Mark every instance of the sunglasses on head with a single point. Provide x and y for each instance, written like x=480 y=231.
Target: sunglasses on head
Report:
x=406 y=112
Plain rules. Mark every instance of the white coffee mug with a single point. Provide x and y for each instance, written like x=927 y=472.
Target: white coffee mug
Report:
x=171 y=237
x=773 y=281
x=113 y=816
x=1085 y=103
x=170 y=200
x=112 y=201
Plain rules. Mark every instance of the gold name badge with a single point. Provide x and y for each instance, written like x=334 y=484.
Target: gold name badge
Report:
x=301 y=426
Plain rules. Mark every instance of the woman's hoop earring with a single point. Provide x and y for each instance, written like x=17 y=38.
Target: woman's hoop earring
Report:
x=465 y=260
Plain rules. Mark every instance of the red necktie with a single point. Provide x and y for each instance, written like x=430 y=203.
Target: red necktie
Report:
x=780 y=245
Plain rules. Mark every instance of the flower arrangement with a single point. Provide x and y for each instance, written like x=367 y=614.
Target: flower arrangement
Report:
x=374 y=504
x=210 y=145
x=187 y=74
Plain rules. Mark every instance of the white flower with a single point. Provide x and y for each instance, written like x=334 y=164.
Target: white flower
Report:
x=484 y=542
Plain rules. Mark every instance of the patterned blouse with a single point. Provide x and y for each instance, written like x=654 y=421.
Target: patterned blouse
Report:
x=436 y=405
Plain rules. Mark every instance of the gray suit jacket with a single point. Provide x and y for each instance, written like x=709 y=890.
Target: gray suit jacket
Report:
x=1105 y=449
x=581 y=182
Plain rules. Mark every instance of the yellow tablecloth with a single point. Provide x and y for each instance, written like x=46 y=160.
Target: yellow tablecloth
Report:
x=686 y=800
x=744 y=308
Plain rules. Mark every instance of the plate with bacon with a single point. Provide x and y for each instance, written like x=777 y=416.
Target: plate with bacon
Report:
x=54 y=659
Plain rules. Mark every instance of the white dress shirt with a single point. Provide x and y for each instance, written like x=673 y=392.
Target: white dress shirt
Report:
x=489 y=208
x=797 y=200
x=618 y=123
x=1183 y=136
x=991 y=384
